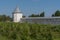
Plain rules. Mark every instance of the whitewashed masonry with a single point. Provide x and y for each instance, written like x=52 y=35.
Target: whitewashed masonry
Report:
x=17 y=17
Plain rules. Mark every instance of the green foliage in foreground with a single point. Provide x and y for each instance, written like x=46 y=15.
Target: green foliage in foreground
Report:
x=27 y=31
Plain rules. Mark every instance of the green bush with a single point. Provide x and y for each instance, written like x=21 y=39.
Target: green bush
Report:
x=27 y=31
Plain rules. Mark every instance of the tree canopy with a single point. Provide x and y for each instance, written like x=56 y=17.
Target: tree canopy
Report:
x=37 y=15
x=57 y=13
x=5 y=18
x=42 y=14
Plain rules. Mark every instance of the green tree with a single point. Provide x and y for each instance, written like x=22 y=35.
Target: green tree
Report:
x=33 y=15
x=42 y=14
x=37 y=15
x=5 y=18
x=8 y=18
x=57 y=13
x=53 y=15
x=24 y=16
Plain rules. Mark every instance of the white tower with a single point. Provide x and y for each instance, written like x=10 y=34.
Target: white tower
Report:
x=17 y=15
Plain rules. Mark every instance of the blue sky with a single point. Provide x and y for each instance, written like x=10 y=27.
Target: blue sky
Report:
x=29 y=7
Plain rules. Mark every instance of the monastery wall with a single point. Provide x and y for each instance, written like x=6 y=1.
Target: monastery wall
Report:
x=41 y=20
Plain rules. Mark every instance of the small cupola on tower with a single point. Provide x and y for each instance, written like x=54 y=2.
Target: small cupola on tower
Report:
x=17 y=15
x=17 y=10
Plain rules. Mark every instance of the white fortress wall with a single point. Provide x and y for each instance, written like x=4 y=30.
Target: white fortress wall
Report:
x=42 y=20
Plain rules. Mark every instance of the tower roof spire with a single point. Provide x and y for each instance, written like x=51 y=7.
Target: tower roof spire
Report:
x=17 y=9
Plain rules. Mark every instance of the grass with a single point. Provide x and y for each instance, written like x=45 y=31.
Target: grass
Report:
x=27 y=31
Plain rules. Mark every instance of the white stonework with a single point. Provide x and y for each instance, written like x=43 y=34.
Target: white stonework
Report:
x=42 y=20
x=17 y=15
